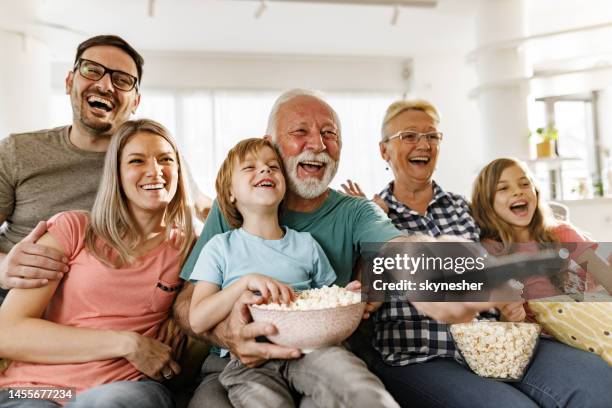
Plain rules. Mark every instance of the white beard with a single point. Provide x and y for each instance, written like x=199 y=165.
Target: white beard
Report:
x=311 y=187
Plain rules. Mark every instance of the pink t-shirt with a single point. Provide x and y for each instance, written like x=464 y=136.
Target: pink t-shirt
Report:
x=137 y=298
x=537 y=287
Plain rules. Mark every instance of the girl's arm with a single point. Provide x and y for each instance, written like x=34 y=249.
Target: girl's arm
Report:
x=25 y=336
x=210 y=305
x=598 y=267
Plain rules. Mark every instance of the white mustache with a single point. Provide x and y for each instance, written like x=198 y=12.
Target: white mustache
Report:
x=322 y=157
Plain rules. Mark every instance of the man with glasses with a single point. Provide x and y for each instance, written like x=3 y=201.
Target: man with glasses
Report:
x=45 y=172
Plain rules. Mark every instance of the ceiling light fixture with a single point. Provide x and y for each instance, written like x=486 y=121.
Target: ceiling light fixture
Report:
x=395 y=16
x=405 y=3
x=260 y=10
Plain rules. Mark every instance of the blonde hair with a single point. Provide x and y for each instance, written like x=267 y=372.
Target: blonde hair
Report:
x=398 y=107
x=112 y=234
x=223 y=184
x=494 y=227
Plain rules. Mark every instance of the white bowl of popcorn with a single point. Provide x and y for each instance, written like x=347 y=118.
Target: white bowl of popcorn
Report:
x=317 y=318
x=498 y=350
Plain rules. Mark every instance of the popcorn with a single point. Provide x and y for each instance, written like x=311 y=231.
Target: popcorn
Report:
x=496 y=349
x=316 y=299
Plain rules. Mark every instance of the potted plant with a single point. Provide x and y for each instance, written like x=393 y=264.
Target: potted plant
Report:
x=546 y=146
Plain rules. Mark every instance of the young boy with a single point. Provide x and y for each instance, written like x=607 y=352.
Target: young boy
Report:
x=260 y=255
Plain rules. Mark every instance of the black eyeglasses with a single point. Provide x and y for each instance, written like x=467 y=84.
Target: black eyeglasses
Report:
x=411 y=137
x=95 y=71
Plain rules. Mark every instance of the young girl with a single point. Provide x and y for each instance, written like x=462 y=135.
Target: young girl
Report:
x=507 y=207
x=260 y=255
x=97 y=329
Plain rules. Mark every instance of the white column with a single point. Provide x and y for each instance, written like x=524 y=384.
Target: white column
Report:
x=500 y=65
x=25 y=72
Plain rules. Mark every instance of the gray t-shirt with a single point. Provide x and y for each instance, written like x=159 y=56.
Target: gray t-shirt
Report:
x=41 y=174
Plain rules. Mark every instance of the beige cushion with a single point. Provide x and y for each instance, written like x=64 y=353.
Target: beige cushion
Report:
x=585 y=325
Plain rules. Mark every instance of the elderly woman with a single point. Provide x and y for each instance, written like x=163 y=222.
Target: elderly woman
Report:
x=418 y=362
x=98 y=330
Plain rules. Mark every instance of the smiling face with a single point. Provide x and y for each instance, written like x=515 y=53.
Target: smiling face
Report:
x=97 y=106
x=257 y=182
x=308 y=138
x=515 y=199
x=149 y=173
x=411 y=164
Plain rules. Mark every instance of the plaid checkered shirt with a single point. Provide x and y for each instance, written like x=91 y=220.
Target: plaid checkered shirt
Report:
x=403 y=335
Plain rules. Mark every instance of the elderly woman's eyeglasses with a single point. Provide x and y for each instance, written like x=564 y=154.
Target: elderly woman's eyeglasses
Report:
x=95 y=71
x=411 y=137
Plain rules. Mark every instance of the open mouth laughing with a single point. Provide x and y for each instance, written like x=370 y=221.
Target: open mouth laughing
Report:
x=419 y=160
x=311 y=166
x=100 y=103
x=153 y=186
x=265 y=183
x=520 y=208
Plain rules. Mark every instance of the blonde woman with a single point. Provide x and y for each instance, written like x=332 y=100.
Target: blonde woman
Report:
x=97 y=328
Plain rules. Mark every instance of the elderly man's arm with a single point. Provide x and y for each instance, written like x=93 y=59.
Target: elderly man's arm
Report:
x=446 y=312
x=236 y=332
x=30 y=265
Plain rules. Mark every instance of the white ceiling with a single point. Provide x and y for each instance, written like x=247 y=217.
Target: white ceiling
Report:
x=230 y=26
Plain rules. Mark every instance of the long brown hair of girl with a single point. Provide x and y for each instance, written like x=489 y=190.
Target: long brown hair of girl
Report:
x=494 y=227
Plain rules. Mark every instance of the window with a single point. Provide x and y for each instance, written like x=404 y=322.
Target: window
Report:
x=575 y=170
x=208 y=123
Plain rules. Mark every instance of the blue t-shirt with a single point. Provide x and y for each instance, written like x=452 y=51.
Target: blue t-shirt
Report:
x=341 y=226
x=296 y=259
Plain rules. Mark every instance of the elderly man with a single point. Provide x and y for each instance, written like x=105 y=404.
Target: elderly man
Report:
x=306 y=131
x=48 y=171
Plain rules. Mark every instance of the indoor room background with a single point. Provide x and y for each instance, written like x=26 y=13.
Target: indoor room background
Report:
x=497 y=70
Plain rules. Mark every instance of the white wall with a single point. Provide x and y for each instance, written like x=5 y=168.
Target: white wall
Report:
x=445 y=79
x=25 y=83
x=592 y=216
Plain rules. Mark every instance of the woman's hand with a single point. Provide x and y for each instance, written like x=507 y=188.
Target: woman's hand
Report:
x=512 y=312
x=351 y=188
x=269 y=289
x=151 y=357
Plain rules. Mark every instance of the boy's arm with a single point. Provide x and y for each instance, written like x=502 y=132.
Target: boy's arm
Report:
x=210 y=305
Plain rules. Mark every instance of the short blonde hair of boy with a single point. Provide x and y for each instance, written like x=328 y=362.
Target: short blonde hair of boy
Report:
x=398 y=107
x=223 y=184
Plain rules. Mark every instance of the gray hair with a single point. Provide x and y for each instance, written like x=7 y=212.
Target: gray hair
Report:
x=294 y=93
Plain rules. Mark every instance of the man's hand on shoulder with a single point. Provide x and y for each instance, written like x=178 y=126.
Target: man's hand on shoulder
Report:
x=29 y=265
